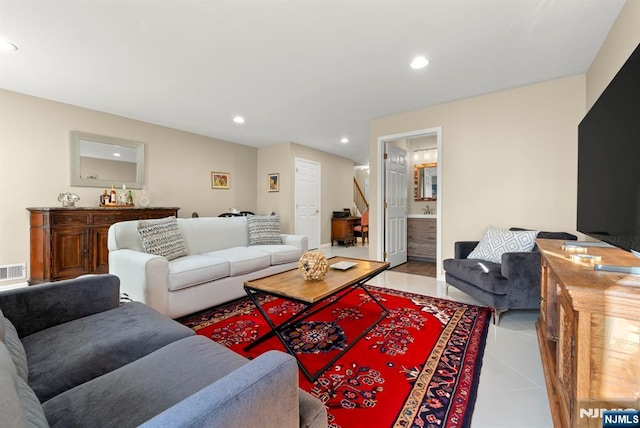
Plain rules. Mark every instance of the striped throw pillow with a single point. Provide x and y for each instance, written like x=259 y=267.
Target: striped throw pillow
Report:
x=264 y=230
x=162 y=238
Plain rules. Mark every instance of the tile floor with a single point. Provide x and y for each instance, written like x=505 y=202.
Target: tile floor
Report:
x=512 y=391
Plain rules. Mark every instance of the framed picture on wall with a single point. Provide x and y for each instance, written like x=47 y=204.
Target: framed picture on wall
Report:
x=274 y=182
x=220 y=180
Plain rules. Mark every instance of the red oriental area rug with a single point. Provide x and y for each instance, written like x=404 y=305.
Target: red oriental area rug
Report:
x=419 y=367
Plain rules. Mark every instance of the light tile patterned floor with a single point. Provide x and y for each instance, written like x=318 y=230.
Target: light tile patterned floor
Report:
x=511 y=392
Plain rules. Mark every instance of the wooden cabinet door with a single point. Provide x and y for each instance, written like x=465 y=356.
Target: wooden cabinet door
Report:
x=100 y=252
x=70 y=253
x=566 y=358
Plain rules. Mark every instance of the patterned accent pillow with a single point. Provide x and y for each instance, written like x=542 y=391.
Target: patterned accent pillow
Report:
x=162 y=238
x=264 y=230
x=496 y=241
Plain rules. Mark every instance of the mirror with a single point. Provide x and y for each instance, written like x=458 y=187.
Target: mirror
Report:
x=99 y=161
x=425 y=179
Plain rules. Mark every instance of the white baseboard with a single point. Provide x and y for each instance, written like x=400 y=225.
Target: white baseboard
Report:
x=13 y=286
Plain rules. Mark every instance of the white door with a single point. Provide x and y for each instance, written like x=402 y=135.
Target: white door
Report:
x=308 y=201
x=396 y=205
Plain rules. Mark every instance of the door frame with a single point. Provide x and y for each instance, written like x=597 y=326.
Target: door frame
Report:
x=380 y=223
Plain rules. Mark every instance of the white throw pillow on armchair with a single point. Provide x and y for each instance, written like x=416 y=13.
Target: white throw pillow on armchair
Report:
x=496 y=242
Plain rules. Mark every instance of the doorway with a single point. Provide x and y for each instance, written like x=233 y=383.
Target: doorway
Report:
x=307 y=201
x=383 y=247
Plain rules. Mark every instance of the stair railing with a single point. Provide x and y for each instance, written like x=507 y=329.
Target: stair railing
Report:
x=359 y=199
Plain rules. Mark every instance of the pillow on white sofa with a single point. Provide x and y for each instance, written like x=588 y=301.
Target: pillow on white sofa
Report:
x=496 y=242
x=264 y=230
x=162 y=237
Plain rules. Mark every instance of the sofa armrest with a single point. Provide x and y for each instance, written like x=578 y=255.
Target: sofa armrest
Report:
x=262 y=393
x=296 y=241
x=143 y=277
x=523 y=272
x=38 y=307
x=462 y=249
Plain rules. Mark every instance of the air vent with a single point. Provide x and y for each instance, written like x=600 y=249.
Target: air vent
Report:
x=9 y=272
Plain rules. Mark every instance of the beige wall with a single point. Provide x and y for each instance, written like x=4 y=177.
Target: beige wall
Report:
x=622 y=40
x=508 y=159
x=336 y=175
x=277 y=159
x=34 y=165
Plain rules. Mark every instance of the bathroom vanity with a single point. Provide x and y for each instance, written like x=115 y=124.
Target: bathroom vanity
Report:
x=421 y=237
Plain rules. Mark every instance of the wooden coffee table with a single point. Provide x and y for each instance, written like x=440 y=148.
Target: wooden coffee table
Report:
x=315 y=296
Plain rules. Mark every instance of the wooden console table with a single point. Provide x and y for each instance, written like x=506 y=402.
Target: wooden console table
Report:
x=589 y=334
x=68 y=242
x=342 y=230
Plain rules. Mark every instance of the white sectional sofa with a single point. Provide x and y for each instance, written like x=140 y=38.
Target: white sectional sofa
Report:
x=218 y=261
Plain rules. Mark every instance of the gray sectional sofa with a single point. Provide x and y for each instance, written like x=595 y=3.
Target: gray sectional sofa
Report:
x=72 y=356
x=219 y=258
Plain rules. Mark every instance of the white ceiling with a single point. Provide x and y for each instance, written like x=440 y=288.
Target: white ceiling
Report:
x=304 y=71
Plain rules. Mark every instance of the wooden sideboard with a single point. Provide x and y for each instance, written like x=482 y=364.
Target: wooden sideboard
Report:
x=589 y=334
x=421 y=239
x=68 y=242
x=342 y=230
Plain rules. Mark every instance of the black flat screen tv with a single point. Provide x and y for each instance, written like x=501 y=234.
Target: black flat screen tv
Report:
x=609 y=162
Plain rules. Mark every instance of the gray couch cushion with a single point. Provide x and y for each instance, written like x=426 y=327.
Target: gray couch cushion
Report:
x=32 y=408
x=281 y=254
x=11 y=411
x=483 y=274
x=16 y=350
x=72 y=353
x=145 y=387
x=193 y=270
x=1 y=326
x=242 y=259
x=313 y=414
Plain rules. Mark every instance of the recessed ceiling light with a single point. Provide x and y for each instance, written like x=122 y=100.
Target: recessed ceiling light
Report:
x=238 y=119
x=344 y=140
x=419 y=62
x=116 y=154
x=7 y=46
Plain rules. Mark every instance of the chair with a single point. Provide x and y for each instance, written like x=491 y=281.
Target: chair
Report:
x=362 y=230
x=512 y=284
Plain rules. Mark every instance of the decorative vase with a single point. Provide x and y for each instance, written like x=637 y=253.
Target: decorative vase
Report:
x=144 y=199
x=313 y=266
x=68 y=199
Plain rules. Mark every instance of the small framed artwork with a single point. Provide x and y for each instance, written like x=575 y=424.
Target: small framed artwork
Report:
x=220 y=180
x=274 y=182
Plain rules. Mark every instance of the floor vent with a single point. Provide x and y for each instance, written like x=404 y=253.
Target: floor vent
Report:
x=9 y=272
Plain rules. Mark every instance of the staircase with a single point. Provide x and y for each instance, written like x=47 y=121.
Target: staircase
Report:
x=358 y=197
